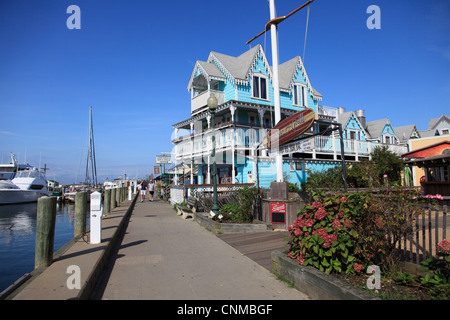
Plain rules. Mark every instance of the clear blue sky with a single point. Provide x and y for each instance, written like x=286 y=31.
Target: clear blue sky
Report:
x=131 y=61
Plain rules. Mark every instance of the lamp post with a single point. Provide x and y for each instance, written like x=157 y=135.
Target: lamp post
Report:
x=212 y=105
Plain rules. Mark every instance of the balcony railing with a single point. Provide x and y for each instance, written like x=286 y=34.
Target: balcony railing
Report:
x=249 y=138
x=200 y=101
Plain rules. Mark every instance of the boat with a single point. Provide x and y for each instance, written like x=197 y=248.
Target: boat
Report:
x=27 y=186
x=9 y=170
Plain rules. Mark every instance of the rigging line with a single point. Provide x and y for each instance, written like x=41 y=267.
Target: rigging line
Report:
x=306 y=34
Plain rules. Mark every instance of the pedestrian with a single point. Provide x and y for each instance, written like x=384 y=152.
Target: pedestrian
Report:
x=151 y=189
x=144 y=186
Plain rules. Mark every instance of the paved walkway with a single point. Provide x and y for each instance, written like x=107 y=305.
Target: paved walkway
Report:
x=163 y=256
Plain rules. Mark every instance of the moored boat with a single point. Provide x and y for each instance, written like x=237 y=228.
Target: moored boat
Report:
x=27 y=186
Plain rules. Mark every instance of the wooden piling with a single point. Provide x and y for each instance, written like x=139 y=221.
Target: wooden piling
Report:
x=80 y=214
x=107 y=202
x=118 y=195
x=113 y=198
x=45 y=231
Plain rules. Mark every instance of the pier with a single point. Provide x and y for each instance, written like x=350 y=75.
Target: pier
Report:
x=149 y=253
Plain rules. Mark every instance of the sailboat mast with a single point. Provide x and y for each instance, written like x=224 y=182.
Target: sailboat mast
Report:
x=91 y=163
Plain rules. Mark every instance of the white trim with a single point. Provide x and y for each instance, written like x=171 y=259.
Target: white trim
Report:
x=259 y=75
x=301 y=95
x=305 y=74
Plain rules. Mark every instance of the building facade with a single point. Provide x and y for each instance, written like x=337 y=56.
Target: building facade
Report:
x=243 y=87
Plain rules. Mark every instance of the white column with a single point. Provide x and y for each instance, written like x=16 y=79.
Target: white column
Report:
x=276 y=86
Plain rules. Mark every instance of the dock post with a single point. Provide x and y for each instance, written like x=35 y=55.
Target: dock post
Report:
x=113 y=198
x=118 y=194
x=80 y=214
x=45 y=231
x=107 y=202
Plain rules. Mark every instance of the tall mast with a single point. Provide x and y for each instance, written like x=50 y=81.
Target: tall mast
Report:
x=273 y=26
x=91 y=166
x=276 y=86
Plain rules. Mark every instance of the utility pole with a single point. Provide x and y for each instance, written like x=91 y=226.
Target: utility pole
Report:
x=272 y=25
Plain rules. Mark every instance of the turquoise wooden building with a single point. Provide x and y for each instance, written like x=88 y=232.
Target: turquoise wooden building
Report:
x=243 y=87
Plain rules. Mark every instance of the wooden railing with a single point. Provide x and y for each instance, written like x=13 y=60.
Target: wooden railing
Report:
x=429 y=229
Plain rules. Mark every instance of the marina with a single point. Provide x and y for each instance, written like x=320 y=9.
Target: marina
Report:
x=18 y=236
x=281 y=148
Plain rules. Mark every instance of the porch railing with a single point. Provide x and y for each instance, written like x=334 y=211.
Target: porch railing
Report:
x=204 y=192
x=251 y=137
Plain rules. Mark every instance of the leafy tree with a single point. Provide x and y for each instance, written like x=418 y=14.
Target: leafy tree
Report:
x=387 y=163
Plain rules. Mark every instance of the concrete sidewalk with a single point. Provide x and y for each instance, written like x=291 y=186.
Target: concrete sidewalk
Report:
x=163 y=256
x=51 y=283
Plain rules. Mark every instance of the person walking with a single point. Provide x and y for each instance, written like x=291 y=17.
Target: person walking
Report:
x=144 y=186
x=151 y=189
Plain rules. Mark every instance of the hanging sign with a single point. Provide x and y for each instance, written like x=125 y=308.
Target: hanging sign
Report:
x=156 y=170
x=289 y=129
x=163 y=159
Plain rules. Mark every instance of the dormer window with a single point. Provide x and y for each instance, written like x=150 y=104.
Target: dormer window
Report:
x=299 y=95
x=259 y=89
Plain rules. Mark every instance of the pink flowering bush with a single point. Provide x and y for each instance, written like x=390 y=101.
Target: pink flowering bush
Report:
x=444 y=247
x=322 y=235
x=439 y=281
x=348 y=232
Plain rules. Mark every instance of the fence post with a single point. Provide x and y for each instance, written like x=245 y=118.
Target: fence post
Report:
x=444 y=222
x=80 y=214
x=436 y=226
x=45 y=231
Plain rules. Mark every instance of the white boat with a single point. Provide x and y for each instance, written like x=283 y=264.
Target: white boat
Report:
x=27 y=186
x=9 y=170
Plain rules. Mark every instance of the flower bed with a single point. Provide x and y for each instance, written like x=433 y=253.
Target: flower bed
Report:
x=350 y=233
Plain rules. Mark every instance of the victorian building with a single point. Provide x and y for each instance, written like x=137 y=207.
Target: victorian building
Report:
x=243 y=87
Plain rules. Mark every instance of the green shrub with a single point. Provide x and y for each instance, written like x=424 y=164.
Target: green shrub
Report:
x=348 y=232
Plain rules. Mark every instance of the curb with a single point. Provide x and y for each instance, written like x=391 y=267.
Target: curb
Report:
x=315 y=283
x=93 y=277
x=226 y=228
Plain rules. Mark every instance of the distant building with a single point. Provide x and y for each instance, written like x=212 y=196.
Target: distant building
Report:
x=434 y=163
x=405 y=133
x=422 y=148
x=441 y=125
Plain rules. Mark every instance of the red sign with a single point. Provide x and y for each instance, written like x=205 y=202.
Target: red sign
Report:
x=290 y=128
x=278 y=212
x=278 y=207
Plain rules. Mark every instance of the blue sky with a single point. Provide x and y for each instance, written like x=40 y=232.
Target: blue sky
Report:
x=131 y=61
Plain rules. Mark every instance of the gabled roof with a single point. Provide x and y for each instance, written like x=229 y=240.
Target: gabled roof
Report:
x=237 y=69
x=287 y=73
x=209 y=71
x=434 y=122
x=375 y=128
x=344 y=117
x=429 y=133
x=404 y=133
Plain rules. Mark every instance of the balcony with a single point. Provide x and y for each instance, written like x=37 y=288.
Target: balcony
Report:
x=200 y=101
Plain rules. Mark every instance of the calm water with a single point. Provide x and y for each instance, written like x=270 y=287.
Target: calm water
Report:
x=18 y=237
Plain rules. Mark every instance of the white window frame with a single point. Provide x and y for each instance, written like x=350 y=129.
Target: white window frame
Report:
x=260 y=76
x=300 y=91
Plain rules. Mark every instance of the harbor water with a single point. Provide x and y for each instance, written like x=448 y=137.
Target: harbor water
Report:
x=18 y=237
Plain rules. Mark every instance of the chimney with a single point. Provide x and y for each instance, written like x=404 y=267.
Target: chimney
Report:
x=341 y=110
x=361 y=116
